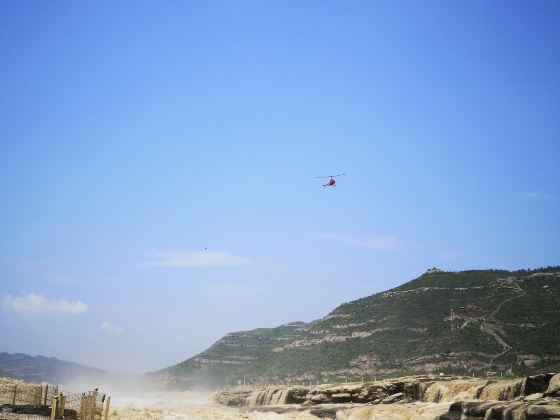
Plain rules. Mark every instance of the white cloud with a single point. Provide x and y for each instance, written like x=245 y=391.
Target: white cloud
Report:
x=233 y=290
x=111 y=328
x=538 y=196
x=36 y=304
x=377 y=242
x=186 y=259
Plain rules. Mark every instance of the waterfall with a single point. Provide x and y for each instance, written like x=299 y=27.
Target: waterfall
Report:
x=268 y=396
x=280 y=396
x=431 y=392
x=501 y=391
x=472 y=390
x=453 y=390
x=420 y=392
x=253 y=398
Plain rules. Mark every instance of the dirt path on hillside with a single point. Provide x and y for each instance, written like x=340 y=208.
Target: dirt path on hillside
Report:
x=489 y=330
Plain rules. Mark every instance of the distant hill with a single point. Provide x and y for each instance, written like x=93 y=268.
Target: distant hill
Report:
x=453 y=322
x=38 y=369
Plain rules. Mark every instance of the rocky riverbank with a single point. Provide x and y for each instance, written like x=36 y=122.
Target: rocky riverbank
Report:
x=426 y=397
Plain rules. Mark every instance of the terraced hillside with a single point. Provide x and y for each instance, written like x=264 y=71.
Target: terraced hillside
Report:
x=452 y=322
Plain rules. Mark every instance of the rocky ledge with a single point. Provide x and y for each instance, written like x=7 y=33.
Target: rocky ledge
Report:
x=541 y=409
x=428 y=397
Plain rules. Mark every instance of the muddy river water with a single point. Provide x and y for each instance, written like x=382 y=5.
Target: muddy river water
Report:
x=200 y=406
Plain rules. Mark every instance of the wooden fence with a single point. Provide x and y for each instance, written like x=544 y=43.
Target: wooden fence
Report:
x=48 y=401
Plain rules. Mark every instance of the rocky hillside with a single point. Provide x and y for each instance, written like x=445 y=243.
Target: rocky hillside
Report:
x=452 y=322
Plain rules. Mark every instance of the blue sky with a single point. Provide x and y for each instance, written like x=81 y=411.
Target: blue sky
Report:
x=158 y=162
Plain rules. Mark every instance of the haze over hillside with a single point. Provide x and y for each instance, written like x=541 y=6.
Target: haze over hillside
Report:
x=40 y=369
x=461 y=322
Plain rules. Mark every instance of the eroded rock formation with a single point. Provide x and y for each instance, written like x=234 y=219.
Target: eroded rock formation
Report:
x=448 y=398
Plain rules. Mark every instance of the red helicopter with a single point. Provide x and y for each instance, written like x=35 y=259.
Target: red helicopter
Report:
x=331 y=182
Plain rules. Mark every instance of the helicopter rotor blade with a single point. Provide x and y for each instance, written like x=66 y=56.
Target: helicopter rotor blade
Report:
x=330 y=176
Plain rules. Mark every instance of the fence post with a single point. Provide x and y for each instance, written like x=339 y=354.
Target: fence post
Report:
x=85 y=410
x=46 y=394
x=90 y=407
x=94 y=404
x=61 y=404
x=15 y=394
x=87 y=414
x=54 y=408
x=37 y=396
x=107 y=404
x=82 y=406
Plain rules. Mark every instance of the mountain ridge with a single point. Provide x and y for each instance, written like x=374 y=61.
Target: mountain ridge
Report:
x=40 y=368
x=457 y=322
x=45 y=369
